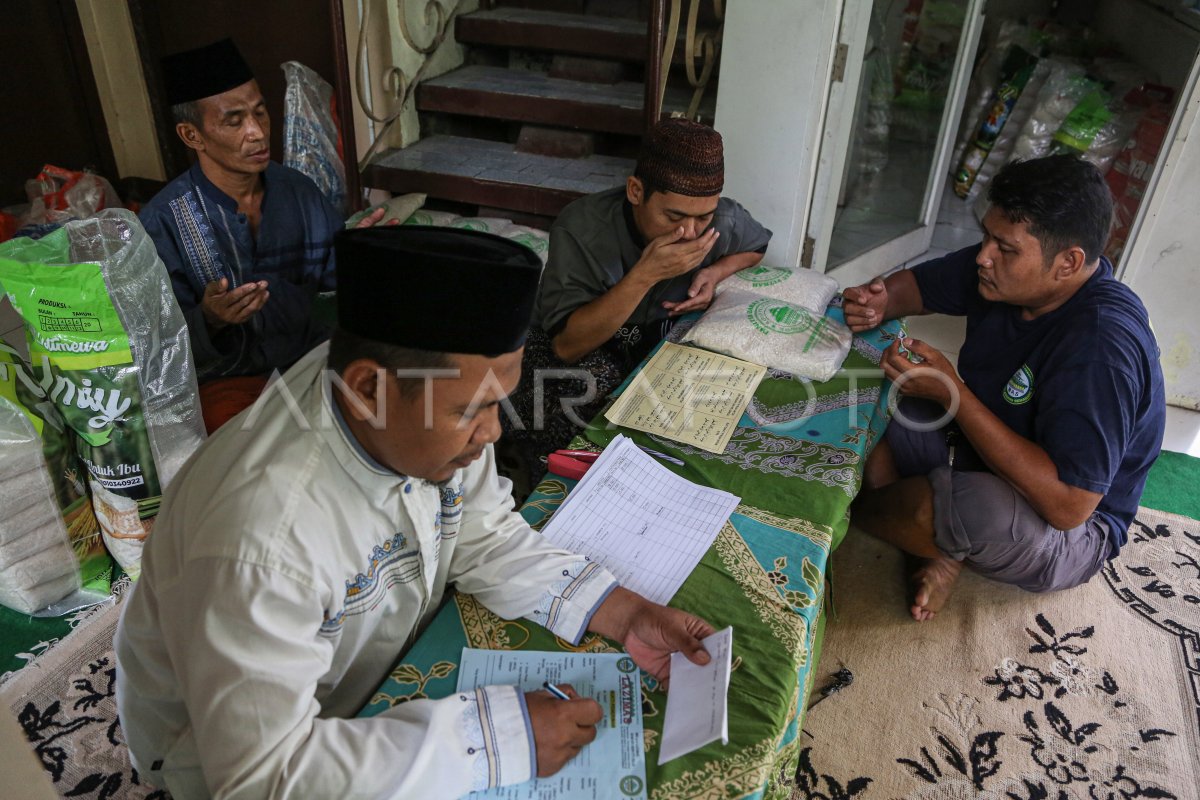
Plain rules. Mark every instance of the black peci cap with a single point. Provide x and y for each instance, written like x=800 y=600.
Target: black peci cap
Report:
x=440 y=289
x=204 y=72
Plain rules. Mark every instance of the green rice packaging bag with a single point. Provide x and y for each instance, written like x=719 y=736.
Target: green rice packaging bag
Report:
x=109 y=349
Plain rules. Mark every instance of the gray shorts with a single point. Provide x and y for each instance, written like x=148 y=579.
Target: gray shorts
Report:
x=981 y=520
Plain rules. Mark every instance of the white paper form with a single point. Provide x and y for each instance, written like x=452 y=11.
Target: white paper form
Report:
x=613 y=766
x=698 y=700
x=645 y=524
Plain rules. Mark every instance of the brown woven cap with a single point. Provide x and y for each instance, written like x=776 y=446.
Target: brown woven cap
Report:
x=684 y=157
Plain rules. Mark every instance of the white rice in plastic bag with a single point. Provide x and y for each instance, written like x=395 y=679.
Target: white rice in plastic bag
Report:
x=774 y=333
x=800 y=287
x=536 y=240
x=37 y=563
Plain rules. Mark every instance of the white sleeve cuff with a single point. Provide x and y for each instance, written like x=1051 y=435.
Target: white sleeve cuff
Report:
x=568 y=605
x=498 y=737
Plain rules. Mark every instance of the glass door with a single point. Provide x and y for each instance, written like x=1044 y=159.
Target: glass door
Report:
x=895 y=98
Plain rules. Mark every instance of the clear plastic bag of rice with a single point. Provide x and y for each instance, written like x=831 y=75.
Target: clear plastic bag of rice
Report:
x=51 y=558
x=774 y=333
x=800 y=287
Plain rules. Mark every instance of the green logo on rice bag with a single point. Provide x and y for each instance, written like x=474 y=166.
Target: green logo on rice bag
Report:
x=537 y=244
x=775 y=316
x=761 y=276
x=770 y=316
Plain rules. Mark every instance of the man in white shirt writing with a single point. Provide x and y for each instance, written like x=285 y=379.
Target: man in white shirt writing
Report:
x=310 y=541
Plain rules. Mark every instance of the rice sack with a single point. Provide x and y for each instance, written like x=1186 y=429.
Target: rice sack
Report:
x=774 y=333
x=800 y=287
x=109 y=350
x=50 y=544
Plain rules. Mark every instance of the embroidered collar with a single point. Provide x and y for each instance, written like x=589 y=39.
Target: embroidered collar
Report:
x=214 y=194
x=363 y=467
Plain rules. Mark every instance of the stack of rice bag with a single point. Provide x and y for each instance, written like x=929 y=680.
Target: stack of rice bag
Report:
x=535 y=240
x=38 y=564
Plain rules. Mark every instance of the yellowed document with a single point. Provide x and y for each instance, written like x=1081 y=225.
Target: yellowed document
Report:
x=688 y=395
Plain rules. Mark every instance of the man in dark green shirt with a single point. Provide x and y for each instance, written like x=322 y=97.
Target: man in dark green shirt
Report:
x=623 y=265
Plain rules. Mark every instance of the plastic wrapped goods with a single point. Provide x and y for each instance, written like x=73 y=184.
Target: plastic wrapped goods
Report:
x=311 y=141
x=998 y=156
x=38 y=565
x=536 y=240
x=925 y=68
x=1018 y=67
x=800 y=287
x=984 y=79
x=57 y=195
x=109 y=349
x=1096 y=129
x=1076 y=114
x=27 y=481
x=774 y=333
x=396 y=210
x=1062 y=92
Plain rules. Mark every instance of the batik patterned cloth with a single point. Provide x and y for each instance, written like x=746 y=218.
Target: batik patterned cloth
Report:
x=796 y=461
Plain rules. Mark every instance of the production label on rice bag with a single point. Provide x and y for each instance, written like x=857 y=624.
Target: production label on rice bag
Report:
x=81 y=361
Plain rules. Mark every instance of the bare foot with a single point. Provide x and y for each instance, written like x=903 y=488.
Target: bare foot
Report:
x=932 y=583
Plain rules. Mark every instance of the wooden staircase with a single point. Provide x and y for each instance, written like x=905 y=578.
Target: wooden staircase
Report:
x=547 y=107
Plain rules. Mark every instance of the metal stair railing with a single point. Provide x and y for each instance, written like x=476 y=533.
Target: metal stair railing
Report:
x=701 y=50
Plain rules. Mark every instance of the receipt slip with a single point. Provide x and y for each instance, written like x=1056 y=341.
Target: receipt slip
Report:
x=698 y=700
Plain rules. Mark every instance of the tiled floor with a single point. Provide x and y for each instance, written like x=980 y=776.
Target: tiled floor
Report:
x=957 y=228
x=880 y=206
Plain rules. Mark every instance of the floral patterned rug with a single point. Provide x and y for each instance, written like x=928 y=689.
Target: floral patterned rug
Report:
x=64 y=701
x=1088 y=693
x=1091 y=693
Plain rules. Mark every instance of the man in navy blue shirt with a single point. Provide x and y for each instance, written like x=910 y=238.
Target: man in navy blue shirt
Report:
x=1028 y=462
x=248 y=242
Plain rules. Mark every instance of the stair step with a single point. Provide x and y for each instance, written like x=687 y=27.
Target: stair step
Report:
x=528 y=96
x=589 y=70
x=489 y=173
x=565 y=6
x=583 y=34
x=556 y=142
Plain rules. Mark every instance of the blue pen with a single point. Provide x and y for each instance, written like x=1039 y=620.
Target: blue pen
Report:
x=663 y=456
x=554 y=690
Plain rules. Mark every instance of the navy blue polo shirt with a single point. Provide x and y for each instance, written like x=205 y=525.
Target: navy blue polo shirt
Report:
x=1082 y=381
